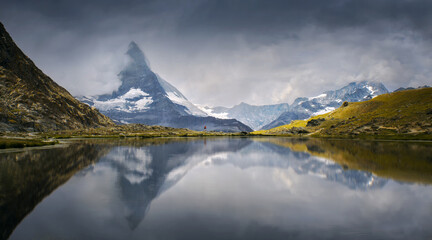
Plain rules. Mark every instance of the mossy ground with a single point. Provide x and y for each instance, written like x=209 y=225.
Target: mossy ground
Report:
x=133 y=130
x=19 y=140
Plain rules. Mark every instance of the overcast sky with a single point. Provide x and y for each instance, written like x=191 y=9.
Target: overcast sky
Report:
x=223 y=52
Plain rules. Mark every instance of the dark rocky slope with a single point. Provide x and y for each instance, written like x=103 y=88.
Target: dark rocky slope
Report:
x=32 y=101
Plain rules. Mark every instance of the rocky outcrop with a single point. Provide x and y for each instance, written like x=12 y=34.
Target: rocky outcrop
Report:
x=315 y=122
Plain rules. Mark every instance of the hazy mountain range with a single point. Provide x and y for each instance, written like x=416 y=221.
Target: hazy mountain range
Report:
x=253 y=116
x=270 y=116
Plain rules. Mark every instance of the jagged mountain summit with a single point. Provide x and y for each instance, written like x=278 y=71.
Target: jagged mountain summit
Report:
x=303 y=108
x=144 y=97
x=254 y=116
x=32 y=101
x=410 y=88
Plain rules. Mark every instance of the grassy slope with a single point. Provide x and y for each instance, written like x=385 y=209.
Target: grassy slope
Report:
x=395 y=115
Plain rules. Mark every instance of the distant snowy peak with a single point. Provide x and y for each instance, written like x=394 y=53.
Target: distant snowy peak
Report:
x=140 y=88
x=353 y=92
x=357 y=91
x=210 y=111
x=253 y=116
x=328 y=101
x=303 y=107
x=410 y=88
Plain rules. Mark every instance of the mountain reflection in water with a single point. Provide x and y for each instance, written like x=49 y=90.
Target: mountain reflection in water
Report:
x=131 y=175
x=144 y=173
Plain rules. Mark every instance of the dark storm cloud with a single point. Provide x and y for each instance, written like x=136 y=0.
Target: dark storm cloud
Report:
x=228 y=16
x=266 y=51
x=274 y=17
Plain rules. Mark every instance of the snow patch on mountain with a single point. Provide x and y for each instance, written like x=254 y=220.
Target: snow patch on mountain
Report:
x=178 y=98
x=143 y=103
x=209 y=112
x=134 y=93
x=181 y=100
x=319 y=96
x=323 y=111
x=133 y=100
x=372 y=91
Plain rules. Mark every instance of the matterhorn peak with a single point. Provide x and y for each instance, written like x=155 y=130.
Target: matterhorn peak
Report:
x=137 y=56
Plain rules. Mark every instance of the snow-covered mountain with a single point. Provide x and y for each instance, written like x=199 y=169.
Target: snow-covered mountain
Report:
x=254 y=116
x=144 y=97
x=303 y=108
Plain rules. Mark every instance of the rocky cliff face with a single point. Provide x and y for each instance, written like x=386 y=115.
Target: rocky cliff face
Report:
x=32 y=101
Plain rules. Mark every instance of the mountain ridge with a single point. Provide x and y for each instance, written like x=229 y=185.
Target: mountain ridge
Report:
x=268 y=116
x=303 y=107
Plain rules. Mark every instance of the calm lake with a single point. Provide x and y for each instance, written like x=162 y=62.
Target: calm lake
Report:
x=218 y=188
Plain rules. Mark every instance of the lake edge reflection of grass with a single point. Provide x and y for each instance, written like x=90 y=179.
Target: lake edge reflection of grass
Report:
x=411 y=162
x=27 y=177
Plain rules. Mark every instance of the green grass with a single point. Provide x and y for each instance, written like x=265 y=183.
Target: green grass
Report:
x=136 y=131
x=124 y=131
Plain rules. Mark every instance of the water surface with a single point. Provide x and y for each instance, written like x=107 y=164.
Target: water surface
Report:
x=227 y=188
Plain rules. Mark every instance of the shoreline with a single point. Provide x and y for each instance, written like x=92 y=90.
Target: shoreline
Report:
x=33 y=140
